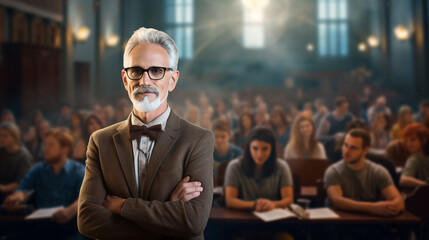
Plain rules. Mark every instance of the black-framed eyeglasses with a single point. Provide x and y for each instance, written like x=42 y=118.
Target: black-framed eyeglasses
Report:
x=155 y=73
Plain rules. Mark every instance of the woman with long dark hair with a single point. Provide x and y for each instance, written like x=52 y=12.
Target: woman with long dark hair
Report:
x=258 y=180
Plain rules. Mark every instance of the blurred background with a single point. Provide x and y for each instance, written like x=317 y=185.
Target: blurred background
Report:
x=288 y=51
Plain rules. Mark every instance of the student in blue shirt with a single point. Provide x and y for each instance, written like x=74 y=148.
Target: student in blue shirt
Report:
x=224 y=150
x=55 y=181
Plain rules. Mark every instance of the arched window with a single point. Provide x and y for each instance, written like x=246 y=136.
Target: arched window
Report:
x=332 y=28
x=253 y=23
x=179 y=20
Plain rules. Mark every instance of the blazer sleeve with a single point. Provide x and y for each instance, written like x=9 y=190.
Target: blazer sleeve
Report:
x=94 y=220
x=180 y=219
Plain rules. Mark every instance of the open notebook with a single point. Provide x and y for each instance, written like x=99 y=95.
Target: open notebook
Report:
x=296 y=211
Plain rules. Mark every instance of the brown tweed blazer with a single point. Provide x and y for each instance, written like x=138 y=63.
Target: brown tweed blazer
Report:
x=181 y=150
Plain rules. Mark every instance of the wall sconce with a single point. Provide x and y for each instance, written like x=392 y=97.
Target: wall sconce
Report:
x=310 y=47
x=362 y=47
x=402 y=33
x=373 y=41
x=113 y=40
x=83 y=34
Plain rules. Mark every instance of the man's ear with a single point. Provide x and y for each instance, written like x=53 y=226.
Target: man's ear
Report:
x=124 y=79
x=173 y=80
x=366 y=150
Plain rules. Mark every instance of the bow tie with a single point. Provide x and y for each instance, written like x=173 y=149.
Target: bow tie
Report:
x=152 y=132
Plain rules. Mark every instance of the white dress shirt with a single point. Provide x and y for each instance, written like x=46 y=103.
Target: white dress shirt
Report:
x=146 y=145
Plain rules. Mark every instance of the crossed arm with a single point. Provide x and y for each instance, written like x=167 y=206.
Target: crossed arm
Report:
x=392 y=206
x=261 y=204
x=184 y=216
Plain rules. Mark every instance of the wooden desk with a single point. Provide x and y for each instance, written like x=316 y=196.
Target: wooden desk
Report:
x=224 y=220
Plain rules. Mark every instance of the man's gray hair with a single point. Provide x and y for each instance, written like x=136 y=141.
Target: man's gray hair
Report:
x=150 y=35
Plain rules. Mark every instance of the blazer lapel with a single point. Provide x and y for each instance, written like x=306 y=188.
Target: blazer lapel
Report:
x=124 y=149
x=162 y=147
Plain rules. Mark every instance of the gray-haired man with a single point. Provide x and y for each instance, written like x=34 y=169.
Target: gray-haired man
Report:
x=137 y=180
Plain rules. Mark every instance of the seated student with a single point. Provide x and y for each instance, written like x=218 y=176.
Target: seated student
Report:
x=280 y=126
x=380 y=131
x=336 y=121
x=15 y=160
x=258 y=180
x=224 y=151
x=405 y=117
x=55 y=182
x=356 y=184
x=416 y=171
x=303 y=142
x=245 y=124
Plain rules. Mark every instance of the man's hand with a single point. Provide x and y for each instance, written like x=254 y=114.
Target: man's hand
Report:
x=15 y=198
x=63 y=215
x=114 y=204
x=263 y=205
x=185 y=190
x=386 y=208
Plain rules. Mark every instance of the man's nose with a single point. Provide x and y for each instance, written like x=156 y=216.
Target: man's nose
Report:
x=145 y=80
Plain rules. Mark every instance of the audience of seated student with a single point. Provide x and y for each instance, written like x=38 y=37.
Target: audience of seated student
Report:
x=356 y=184
x=303 y=142
x=416 y=170
x=63 y=120
x=380 y=129
x=193 y=115
x=280 y=126
x=258 y=180
x=321 y=111
x=405 y=117
x=224 y=151
x=245 y=124
x=76 y=128
x=7 y=116
x=55 y=182
x=420 y=116
x=377 y=108
x=15 y=160
x=336 y=121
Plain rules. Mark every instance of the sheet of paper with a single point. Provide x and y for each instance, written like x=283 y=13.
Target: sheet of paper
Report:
x=274 y=214
x=319 y=213
x=43 y=213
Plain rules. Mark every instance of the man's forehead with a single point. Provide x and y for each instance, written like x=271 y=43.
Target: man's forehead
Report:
x=148 y=52
x=355 y=141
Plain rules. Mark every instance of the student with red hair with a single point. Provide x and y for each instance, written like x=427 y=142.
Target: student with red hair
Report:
x=416 y=171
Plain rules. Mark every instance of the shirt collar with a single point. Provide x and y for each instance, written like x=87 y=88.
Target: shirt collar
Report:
x=161 y=119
